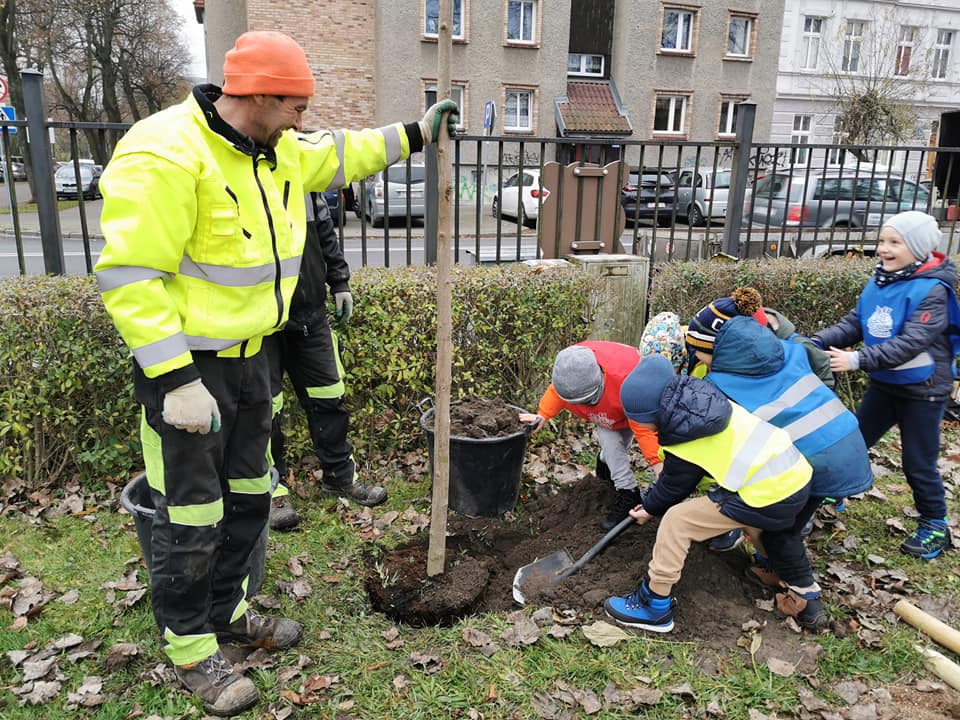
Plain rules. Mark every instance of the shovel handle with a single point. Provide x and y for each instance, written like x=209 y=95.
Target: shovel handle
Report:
x=601 y=544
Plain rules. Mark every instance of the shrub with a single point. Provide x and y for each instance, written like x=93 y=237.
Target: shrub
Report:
x=66 y=396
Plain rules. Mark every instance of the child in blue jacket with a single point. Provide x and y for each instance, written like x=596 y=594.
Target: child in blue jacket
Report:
x=905 y=317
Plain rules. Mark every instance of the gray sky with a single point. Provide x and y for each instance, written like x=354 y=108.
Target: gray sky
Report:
x=192 y=32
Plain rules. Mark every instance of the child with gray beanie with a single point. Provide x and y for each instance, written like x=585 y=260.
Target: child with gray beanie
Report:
x=907 y=318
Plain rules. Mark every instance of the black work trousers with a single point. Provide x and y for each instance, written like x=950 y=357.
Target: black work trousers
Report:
x=212 y=498
x=310 y=355
x=787 y=551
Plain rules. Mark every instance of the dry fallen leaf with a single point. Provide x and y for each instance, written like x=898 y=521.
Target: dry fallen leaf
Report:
x=603 y=634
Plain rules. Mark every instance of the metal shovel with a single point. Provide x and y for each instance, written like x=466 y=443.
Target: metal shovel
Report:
x=556 y=566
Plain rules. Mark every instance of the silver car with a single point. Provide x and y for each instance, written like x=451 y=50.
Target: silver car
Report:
x=702 y=194
x=388 y=192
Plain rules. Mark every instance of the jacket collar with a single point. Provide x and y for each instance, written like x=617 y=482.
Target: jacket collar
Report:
x=205 y=95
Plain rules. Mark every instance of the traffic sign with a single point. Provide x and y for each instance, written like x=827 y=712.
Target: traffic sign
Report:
x=489 y=116
x=9 y=113
x=4 y=89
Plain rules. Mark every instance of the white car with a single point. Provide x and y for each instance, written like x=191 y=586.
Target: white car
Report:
x=505 y=203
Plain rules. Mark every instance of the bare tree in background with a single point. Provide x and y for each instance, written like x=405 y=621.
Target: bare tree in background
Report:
x=878 y=69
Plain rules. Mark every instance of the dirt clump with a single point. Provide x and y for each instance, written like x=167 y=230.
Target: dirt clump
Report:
x=482 y=418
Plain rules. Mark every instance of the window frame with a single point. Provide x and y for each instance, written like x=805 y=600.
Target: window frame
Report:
x=731 y=101
x=694 y=14
x=531 y=93
x=807 y=40
x=940 y=68
x=905 y=47
x=685 y=113
x=837 y=156
x=534 y=24
x=584 y=73
x=801 y=136
x=430 y=85
x=464 y=7
x=751 y=20
x=852 y=41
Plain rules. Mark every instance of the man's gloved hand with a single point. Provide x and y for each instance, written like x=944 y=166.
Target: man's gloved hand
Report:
x=344 y=304
x=191 y=407
x=430 y=125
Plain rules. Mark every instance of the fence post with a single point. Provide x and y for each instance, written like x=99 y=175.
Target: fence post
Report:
x=48 y=214
x=431 y=205
x=742 y=150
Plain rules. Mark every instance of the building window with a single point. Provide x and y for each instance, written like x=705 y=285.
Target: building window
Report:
x=580 y=64
x=458 y=93
x=431 y=18
x=941 y=53
x=801 y=135
x=740 y=36
x=677 y=33
x=522 y=21
x=810 y=47
x=518 y=110
x=670 y=114
x=728 y=115
x=838 y=156
x=901 y=65
x=852 y=42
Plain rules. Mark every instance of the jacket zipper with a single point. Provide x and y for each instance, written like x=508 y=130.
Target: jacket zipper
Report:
x=273 y=239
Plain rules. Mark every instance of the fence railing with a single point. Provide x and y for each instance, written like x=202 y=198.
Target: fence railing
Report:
x=521 y=198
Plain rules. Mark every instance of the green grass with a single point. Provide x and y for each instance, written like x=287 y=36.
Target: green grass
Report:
x=86 y=552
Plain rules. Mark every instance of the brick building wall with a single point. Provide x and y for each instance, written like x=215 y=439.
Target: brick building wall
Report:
x=338 y=37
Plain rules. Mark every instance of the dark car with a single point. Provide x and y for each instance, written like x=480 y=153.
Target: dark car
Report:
x=333 y=202
x=648 y=195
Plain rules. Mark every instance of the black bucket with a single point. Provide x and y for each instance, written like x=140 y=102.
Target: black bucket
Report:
x=136 y=500
x=485 y=473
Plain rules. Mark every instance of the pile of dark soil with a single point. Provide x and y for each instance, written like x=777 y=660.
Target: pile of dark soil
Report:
x=481 y=418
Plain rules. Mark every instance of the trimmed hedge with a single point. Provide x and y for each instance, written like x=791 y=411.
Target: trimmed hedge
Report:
x=66 y=383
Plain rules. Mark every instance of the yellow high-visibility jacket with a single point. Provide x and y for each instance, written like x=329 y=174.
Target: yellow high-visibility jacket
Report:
x=204 y=232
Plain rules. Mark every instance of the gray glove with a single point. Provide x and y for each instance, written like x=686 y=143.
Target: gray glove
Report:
x=430 y=125
x=191 y=407
x=344 y=305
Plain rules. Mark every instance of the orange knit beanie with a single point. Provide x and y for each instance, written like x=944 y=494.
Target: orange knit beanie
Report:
x=265 y=62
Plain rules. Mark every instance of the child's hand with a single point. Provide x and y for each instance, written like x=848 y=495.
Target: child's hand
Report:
x=842 y=360
x=531 y=419
x=640 y=515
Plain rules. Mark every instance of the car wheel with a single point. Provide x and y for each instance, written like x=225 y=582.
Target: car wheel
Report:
x=663 y=219
x=694 y=216
x=495 y=209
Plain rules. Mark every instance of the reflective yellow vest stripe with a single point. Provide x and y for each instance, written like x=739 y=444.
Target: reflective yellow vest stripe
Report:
x=750 y=457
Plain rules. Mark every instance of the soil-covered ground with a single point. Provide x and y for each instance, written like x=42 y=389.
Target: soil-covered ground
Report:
x=484 y=554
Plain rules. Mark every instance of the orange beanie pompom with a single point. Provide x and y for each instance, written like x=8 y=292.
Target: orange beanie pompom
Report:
x=265 y=62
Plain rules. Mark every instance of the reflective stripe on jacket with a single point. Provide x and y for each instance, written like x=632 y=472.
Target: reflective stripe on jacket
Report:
x=749 y=457
x=204 y=237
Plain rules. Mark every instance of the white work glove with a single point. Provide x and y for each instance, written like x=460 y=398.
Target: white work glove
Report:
x=430 y=125
x=191 y=407
x=344 y=305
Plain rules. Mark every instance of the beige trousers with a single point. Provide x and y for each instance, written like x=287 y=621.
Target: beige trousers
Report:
x=693 y=520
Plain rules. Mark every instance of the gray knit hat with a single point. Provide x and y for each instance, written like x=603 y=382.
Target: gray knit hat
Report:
x=919 y=231
x=577 y=377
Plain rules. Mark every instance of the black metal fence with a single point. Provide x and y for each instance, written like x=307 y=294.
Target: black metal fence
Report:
x=672 y=200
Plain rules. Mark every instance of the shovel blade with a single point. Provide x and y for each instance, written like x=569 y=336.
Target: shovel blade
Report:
x=540 y=573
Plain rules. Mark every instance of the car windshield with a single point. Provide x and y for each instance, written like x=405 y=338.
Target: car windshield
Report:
x=773 y=186
x=66 y=173
x=398 y=173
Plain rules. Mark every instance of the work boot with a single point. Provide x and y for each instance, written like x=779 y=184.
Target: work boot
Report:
x=806 y=609
x=282 y=515
x=728 y=541
x=931 y=538
x=643 y=609
x=224 y=691
x=369 y=495
x=623 y=502
x=254 y=630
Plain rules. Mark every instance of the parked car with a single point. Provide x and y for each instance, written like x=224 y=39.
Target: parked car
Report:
x=832 y=198
x=520 y=197
x=388 y=192
x=333 y=202
x=66 y=182
x=18 y=169
x=702 y=194
x=648 y=194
